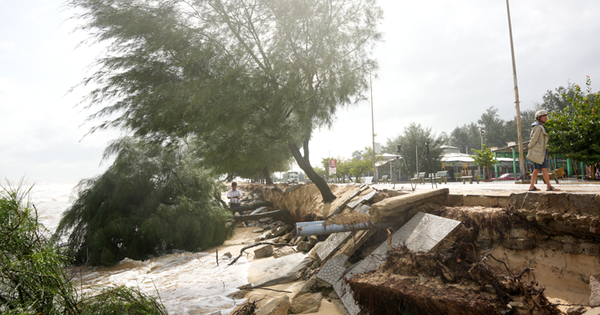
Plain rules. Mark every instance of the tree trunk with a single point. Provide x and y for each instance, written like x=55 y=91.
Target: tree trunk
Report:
x=267 y=176
x=304 y=164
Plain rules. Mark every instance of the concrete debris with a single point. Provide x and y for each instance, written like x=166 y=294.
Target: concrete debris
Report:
x=263 y=251
x=433 y=224
x=306 y=303
x=363 y=199
x=278 y=306
x=333 y=270
x=422 y=233
x=397 y=206
x=595 y=288
x=341 y=207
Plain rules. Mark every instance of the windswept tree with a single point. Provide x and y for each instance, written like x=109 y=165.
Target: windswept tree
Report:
x=277 y=69
x=574 y=131
x=151 y=199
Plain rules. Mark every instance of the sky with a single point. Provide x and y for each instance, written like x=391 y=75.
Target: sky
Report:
x=441 y=64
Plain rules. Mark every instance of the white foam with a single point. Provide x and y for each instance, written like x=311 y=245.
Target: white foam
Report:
x=186 y=282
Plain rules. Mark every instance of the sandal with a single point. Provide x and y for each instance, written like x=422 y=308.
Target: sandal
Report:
x=534 y=189
x=552 y=188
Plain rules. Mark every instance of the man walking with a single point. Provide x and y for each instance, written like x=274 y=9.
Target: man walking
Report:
x=538 y=150
x=234 y=196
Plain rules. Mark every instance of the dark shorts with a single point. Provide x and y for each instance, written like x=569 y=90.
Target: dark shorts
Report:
x=235 y=205
x=541 y=166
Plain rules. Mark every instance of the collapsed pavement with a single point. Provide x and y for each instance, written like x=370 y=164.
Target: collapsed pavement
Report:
x=502 y=255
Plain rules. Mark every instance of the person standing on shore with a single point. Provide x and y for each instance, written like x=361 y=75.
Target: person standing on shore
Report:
x=538 y=150
x=234 y=196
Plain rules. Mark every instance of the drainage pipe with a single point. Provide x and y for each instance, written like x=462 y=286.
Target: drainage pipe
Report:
x=318 y=228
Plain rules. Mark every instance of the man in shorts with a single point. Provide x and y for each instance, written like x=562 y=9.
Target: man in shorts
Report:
x=538 y=150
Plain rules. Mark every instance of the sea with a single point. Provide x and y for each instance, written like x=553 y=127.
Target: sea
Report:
x=185 y=282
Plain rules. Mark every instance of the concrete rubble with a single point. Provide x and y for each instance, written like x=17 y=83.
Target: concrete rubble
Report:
x=431 y=229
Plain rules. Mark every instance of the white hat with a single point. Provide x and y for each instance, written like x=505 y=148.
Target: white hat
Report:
x=541 y=113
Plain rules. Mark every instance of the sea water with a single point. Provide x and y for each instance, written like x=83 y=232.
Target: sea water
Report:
x=185 y=282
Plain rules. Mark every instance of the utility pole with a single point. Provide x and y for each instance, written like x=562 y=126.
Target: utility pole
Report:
x=373 y=130
x=517 y=107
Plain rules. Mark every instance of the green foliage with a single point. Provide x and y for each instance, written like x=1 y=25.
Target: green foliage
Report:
x=33 y=278
x=466 y=137
x=415 y=136
x=574 y=130
x=122 y=300
x=484 y=158
x=33 y=269
x=497 y=132
x=151 y=199
x=242 y=77
x=359 y=166
x=558 y=99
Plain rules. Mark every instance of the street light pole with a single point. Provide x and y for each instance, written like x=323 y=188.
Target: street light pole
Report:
x=517 y=107
x=373 y=130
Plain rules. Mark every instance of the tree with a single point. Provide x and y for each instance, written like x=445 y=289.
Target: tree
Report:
x=466 y=137
x=360 y=165
x=416 y=136
x=151 y=199
x=512 y=133
x=33 y=269
x=485 y=158
x=33 y=274
x=275 y=69
x=493 y=127
x=557 y=100
x=574 y=130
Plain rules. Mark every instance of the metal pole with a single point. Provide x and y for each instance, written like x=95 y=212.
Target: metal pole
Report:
x=517 y=107
x=373 y=130
x=417 y=157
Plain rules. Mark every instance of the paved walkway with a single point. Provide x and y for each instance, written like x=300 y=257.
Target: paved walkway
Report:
x=499 y=187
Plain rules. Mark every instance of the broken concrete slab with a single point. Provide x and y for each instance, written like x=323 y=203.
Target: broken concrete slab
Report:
x=341 y=207
x=331 y=243
x=422 y=233
x=271 y=271
x=362 y=199
x=333 y=269
x=346 y=295
x=396 y=206
x=425 y=232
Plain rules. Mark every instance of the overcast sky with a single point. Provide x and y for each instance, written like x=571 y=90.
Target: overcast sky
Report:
x=442 y=64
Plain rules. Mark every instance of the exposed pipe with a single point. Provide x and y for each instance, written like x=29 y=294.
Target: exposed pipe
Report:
x=318 y=228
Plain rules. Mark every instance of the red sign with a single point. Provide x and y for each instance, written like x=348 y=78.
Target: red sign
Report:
x=332 y=166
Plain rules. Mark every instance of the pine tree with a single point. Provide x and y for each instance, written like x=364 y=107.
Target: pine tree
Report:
x=274 y=70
